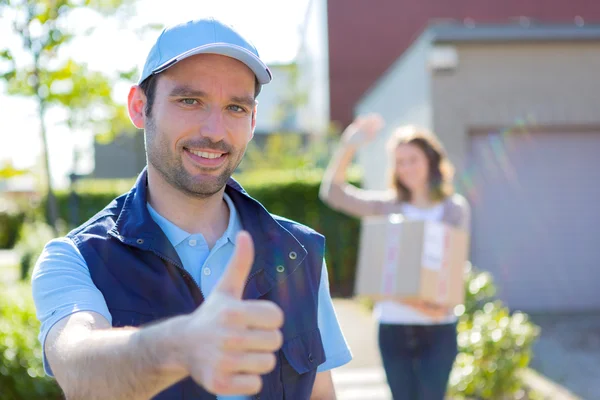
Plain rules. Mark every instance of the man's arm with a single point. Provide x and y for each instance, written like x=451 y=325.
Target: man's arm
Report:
x=323 y=388
x=225 y=345
x=88 y=357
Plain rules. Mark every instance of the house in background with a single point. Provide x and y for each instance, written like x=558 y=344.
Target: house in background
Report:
x=476 y=84
x=356 y=41
x=313 y=69
x=19 y=189
x=277 y=113
x=516 y=106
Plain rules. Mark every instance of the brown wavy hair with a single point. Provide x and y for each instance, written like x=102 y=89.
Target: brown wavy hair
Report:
x=441 y=170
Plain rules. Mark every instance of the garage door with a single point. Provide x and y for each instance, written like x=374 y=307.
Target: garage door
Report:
x=536 y=217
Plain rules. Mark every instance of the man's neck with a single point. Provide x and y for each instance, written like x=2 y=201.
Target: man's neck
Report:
x=208 y=216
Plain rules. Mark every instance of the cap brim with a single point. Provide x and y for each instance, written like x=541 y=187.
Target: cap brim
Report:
x=260 y=69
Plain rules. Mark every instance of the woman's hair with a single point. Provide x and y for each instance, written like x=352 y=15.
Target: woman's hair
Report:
x=441 y=170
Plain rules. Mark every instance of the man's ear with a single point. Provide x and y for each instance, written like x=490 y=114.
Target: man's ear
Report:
x=136 y=104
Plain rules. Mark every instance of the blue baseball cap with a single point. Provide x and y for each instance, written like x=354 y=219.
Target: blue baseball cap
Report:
x=202 y=36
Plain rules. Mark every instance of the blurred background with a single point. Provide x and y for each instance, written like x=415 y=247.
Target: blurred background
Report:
x=511 y=88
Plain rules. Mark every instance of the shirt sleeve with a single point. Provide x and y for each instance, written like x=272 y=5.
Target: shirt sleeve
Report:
x=62 y=285
x=337 y=352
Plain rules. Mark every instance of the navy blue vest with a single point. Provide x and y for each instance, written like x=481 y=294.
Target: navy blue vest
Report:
x=142 y=279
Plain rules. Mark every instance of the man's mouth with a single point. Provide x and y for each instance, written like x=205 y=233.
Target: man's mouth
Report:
x=205 y=158
x=206 y=154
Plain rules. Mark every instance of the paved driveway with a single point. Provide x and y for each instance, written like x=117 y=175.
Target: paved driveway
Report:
x=568 y=352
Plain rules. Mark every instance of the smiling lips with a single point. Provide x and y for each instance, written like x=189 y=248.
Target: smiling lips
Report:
x=206 y=158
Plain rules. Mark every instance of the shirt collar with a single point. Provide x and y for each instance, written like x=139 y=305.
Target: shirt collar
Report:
x=176 y=235
x=234 y=225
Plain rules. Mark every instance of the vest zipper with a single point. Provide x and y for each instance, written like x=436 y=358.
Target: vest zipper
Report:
x=252 y=275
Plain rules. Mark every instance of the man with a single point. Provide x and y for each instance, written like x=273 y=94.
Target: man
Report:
x=163 y=294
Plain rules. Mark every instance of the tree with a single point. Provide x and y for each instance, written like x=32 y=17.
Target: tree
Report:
x=85 y=95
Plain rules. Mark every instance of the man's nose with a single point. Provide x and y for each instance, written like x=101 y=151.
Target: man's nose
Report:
x=213 y=126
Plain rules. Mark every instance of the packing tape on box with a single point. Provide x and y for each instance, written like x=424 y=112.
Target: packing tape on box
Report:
x=435 y=257
x=443 y=275
x=389 y=277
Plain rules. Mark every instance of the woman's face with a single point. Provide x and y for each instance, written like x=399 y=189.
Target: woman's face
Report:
x=412 y=167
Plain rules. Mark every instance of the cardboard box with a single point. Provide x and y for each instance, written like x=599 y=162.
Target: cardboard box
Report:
x=408 y=260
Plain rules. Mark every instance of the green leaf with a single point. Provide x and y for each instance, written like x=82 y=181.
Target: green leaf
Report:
x=130 y=75
x=6 y=54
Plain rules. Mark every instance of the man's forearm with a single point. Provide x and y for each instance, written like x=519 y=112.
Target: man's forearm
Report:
x=118 y=363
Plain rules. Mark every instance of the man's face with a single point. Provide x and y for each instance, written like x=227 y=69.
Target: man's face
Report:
x=201 y=122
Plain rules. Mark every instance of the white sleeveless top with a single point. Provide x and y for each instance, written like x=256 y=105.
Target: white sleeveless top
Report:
x=391 y=312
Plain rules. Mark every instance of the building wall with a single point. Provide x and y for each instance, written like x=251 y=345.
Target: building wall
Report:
x=507 y=85
x=124 y=157
x=403 y=97
x=521 y=123
x=366 y=37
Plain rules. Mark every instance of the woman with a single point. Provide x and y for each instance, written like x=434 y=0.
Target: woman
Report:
x=417 y=350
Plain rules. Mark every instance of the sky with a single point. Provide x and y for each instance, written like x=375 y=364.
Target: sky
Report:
x=272 y=25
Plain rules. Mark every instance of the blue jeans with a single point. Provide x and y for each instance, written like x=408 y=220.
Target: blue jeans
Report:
x=418 y=359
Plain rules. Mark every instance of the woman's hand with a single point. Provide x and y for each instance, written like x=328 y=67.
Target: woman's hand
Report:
x=432 y=310
x=362 y=130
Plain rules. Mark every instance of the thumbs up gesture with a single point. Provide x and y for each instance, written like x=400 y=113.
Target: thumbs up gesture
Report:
x=232 y=341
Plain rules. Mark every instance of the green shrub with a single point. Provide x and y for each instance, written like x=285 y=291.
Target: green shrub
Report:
x=33 y=237
x=292 y=194
x=87 y=204
x=494 y=345
x=21 y=369
x=10 y=224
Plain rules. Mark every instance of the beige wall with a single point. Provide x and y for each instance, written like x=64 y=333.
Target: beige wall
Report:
x=495 y=85
x=401 y=96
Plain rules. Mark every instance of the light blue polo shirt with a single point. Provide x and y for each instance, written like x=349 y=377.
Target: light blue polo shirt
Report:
x=62 y=285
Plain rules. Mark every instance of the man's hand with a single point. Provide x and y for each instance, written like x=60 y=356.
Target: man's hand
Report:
x=228 y=343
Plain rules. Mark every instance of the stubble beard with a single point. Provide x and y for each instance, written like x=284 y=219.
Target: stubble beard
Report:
x=170 y=166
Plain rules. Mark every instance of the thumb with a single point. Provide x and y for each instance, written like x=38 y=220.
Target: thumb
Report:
x=234 y=279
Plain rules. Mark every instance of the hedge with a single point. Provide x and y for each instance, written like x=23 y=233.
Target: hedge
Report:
x=291 y=194
x=21 y=369
x=10 y=224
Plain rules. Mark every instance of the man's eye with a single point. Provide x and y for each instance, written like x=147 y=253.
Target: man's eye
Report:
x=236 y=108
x=189 y=102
